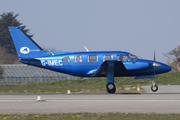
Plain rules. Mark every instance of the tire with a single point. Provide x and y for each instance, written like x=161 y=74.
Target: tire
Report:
x=111 y=88
x=154 y=88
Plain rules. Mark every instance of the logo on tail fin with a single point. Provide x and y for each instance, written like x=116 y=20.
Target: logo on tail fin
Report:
x=24 y=50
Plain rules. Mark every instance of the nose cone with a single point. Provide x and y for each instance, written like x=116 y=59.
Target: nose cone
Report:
x=164 y=68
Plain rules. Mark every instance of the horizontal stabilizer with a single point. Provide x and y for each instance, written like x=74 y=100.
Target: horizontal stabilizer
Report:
x=31 y=61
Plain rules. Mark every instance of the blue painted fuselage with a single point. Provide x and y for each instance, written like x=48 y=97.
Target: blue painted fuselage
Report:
x=85 y=68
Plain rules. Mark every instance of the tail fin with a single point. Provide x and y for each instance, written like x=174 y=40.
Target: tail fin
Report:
x=25 y=46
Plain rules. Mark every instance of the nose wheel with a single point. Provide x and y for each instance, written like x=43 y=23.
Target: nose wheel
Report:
x=154 y=88
x=111 y=88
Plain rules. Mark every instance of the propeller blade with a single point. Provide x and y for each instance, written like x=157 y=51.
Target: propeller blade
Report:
x=154 y=57
x=154 y=64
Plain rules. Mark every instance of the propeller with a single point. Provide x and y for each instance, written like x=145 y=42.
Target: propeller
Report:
x=155 y=65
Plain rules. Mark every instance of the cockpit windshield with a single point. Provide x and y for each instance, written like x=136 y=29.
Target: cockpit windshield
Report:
x=133 y=57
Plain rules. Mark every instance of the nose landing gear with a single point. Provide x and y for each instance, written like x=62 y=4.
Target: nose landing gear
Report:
x=154 y=87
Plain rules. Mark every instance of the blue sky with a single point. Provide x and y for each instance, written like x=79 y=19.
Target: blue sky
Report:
x=136 y=26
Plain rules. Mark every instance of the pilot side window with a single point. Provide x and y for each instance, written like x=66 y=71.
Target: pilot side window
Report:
x=78 y=58
x=66 y=59
x=122 y=58
x=92 y=58
x=133 y=57
x=107 y=57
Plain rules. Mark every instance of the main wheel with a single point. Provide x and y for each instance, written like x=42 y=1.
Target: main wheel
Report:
x=154 y=88
x=111 y=88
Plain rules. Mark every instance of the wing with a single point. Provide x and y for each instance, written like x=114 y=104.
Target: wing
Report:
x=113 y=65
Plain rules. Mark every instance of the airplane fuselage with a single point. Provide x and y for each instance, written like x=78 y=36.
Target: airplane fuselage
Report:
x=79 y=63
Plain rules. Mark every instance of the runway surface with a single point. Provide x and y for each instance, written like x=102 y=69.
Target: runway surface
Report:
x=101 y=103
x=163 y=89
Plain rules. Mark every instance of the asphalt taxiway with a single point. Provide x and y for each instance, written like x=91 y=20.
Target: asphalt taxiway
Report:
x=101 y=103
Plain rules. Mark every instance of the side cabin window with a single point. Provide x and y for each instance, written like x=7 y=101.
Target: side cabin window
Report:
x=107 y=57
x=133 y=57
x=92 y=58
x=66 y=59
x=78 y=58
x=122 y=58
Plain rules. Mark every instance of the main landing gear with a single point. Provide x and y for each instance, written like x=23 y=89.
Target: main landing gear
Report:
x=111 y=88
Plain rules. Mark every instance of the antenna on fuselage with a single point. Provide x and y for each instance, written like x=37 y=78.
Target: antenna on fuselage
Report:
x=86 y=48
x=51 y=52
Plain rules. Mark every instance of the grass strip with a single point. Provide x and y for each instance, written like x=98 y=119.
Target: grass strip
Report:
x=90 y=116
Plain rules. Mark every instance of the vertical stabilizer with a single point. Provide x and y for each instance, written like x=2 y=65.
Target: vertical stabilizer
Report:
x=25 y=46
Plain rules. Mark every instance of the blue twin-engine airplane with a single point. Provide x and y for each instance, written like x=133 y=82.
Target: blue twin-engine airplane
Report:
x=108 y=64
